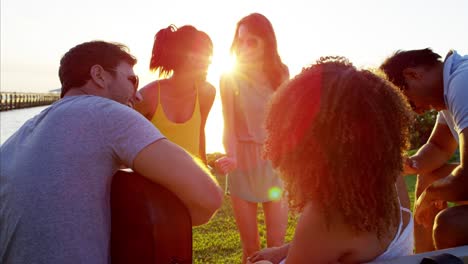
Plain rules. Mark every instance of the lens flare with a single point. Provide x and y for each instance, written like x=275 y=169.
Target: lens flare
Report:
x=275 y=193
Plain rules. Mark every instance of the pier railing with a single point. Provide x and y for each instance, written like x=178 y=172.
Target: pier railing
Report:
x=15 y=100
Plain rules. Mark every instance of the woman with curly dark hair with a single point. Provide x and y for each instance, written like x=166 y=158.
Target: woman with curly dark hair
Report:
x=337 y=135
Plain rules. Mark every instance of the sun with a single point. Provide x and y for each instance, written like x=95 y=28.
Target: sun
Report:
x=215 y=124
x=219 y=65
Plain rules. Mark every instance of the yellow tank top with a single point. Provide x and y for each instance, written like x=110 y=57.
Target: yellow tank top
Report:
x=187 y=134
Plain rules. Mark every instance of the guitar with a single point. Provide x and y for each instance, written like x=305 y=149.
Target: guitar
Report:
x=149 y=224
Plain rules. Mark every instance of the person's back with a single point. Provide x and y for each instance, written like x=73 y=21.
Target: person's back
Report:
x=73 y=148
x=339 y=148
x=352 y=246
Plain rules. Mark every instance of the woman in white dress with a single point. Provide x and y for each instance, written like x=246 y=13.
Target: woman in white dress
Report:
x=245 y=94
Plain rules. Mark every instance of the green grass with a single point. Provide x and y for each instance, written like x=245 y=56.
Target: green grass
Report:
x=410 y=184
x=219 y=241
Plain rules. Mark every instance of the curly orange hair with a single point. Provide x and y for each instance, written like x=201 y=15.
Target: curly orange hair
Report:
x=337 y=135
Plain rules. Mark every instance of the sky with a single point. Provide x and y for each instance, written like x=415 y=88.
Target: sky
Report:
x=35 y=34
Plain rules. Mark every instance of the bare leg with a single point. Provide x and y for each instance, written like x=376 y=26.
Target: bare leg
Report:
x=451 y=227
x=245 y=213
x=276 y=220
x=423 y=236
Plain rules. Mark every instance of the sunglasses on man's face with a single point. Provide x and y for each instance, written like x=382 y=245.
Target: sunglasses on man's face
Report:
x=132 y=78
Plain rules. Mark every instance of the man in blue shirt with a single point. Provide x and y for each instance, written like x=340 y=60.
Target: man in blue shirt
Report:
x=430 y=83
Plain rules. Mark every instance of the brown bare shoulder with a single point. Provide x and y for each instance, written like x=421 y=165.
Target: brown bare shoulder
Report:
x=149 y=87
x=208 y=90
x=149 y=94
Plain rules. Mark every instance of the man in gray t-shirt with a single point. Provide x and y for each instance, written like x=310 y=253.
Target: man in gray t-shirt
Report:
x=430 y=83
x=56 y=170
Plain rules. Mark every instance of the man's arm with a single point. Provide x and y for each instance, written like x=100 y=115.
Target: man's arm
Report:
x=170 y=166
x=455 y=186
x=452 y=188
x=437 y=151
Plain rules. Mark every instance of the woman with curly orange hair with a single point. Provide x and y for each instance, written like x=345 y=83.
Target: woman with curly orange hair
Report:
x=339 y=148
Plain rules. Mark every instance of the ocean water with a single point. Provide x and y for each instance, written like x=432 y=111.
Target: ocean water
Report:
x=11 y=121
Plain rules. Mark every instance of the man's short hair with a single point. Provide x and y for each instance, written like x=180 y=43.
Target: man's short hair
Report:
x=75 y=65
x=394 y=65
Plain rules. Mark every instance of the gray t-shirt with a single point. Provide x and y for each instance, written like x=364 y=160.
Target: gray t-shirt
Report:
x=55 y=178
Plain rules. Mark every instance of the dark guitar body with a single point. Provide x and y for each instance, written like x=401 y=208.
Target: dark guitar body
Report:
x=149 y=224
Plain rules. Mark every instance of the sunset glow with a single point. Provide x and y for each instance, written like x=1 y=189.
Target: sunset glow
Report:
x=221 y=63
x=32 y=39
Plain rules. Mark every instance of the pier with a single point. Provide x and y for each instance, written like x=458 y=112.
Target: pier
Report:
x=16 y=100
